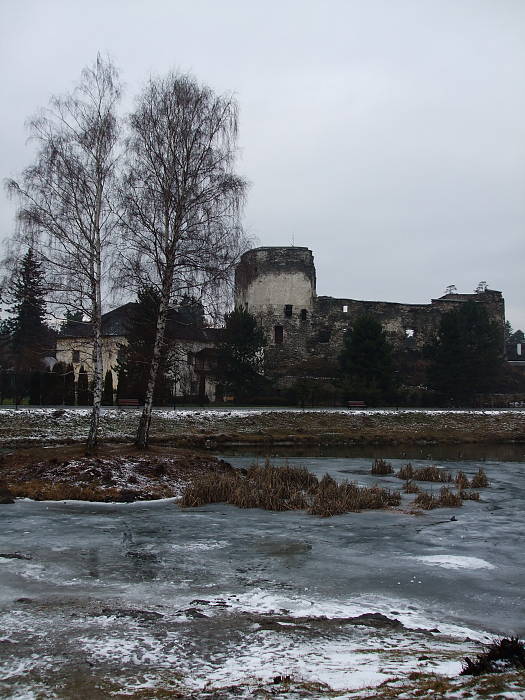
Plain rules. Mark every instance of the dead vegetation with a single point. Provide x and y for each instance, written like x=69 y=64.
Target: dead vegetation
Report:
x=500 y=656
x=424 y=474
x=381 y=468
x=287 y=488
x=113 y=474
x=446 y=498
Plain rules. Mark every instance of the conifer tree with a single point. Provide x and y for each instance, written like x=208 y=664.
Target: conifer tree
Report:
x=239 y=360
x=366 y=361
x=107 y=396
x=30 y=336
x=467 y=356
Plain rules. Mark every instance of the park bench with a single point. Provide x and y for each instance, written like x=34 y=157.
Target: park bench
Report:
x=356 y=404
x=127 y=403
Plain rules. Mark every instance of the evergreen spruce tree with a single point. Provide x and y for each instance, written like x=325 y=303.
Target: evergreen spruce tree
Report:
x=467 y=357
x=239 y=356
x=366 y=362
x=31 y=338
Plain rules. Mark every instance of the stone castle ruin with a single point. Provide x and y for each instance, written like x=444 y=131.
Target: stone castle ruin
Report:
x=304 y=331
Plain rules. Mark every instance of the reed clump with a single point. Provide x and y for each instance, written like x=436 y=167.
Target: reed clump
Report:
x=286 y=488
x=446 y=498
x=479 y=480
x=381 y=468
x=462 y=480
x=469 y=495
x=332 y=498
x=411 y=487
x=425 y=474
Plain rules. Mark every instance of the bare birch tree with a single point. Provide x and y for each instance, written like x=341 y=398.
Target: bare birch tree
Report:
x=65 y=209
x=181 y=199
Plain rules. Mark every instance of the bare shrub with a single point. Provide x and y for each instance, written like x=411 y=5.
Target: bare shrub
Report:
x=479 y=480
x=381 y=468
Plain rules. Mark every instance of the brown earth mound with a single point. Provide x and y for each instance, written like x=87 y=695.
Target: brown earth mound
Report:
x=115 y=473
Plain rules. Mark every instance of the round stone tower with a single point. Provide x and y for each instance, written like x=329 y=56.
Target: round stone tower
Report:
x=277 y=285
x=275 y=277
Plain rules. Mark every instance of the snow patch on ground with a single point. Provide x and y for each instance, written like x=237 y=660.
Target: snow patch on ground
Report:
x=448 y=561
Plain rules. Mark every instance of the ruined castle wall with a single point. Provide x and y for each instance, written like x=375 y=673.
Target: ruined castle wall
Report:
x=277 y=285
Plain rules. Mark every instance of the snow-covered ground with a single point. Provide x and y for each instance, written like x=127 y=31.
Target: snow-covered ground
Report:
x=149 y=596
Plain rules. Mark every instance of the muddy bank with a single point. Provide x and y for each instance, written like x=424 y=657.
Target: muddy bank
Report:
x=116 y=473
x=216 y=429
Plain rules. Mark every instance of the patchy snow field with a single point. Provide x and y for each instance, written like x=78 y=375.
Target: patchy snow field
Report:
x=212 y=427
x=142 y=600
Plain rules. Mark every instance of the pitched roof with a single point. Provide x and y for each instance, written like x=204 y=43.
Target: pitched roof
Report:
x=183 y=325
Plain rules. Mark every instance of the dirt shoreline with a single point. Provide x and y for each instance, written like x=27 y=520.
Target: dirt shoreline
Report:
x=211 y=430
x=113 y=473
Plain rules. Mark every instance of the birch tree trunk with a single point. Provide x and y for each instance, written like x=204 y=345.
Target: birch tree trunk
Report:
x=66 y=202
x=180 y=200
x=142 y=438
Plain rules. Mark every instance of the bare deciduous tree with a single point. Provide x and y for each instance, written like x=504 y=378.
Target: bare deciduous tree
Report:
x=180 y=199
x=65 y=196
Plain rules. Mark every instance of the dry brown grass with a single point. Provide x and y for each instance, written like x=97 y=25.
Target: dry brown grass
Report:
x=411 y=487
x=286 y=488
x=381 y=468
x=61 y=491
x=446 y=498
x=479 y=480
x=426 y=501
x=267 y=487
x=449 y=499
x=335 y=499
x=462 y=481
x=424 y=474
x=469 y=495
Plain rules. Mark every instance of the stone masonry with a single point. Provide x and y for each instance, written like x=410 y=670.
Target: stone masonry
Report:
x=278 y=286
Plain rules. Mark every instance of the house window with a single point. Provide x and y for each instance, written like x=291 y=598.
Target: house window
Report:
x=278 y=335
x=304 y=314
x=76 y=355
x=288 y=310
x=345 y=308
x=409 y=332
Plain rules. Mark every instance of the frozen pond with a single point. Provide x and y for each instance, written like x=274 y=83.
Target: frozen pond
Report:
x=102 y=597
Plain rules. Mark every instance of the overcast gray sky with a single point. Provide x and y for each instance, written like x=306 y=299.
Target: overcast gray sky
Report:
x=386 y=135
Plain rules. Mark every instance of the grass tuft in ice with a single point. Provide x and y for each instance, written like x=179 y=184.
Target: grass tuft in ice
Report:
x=499 y=656
x=381 y=468
x=479 y=480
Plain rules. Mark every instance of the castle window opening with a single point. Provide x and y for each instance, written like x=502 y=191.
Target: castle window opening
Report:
x=345 y=308
x=304 y=314
x=76 y=355
x=288 y=309
x=324 y=335
x=409 y=332
x=278 y=335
